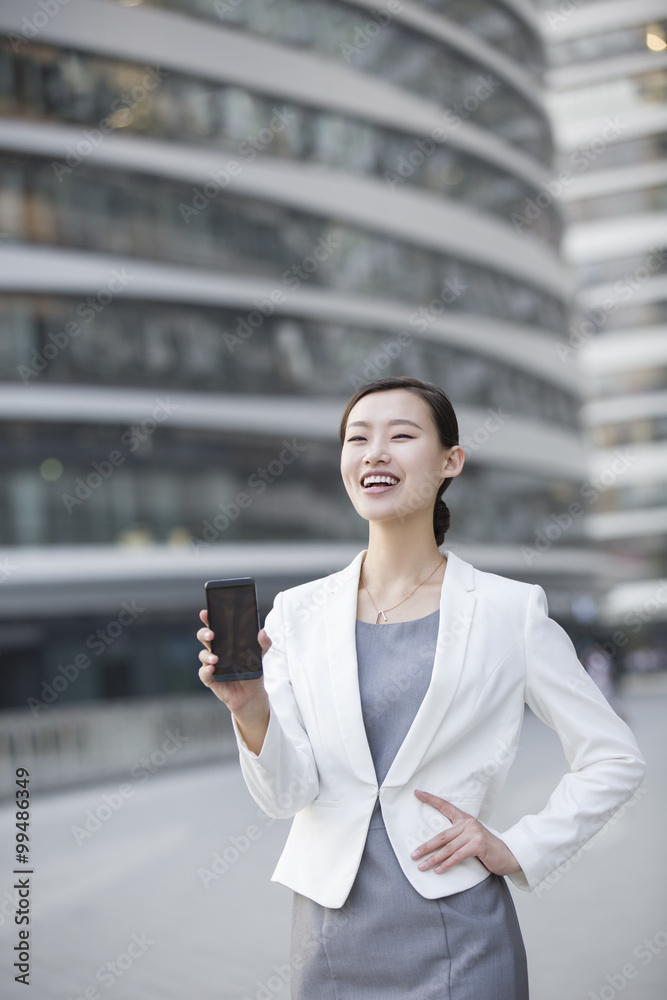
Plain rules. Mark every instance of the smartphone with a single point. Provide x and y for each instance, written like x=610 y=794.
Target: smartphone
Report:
x=234 y=620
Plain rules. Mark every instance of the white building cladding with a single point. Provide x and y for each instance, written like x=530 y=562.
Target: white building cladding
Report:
x=217 y=221
x=607 y=92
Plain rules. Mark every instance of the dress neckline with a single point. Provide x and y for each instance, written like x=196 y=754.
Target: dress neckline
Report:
x=410 y=621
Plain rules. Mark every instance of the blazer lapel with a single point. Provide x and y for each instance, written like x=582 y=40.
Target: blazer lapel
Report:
x=457 y=603
x=341 y=617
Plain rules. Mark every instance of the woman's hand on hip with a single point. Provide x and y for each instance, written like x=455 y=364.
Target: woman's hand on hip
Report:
x=466 y=838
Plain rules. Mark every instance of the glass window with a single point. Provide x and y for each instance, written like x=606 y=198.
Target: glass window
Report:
x=198 y=348
x=204 y=487
x=398 y=53
x=144 y=216
x=250 y=124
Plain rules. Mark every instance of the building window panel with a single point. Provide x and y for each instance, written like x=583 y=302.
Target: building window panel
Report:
x=202 y=348
x=201 y=476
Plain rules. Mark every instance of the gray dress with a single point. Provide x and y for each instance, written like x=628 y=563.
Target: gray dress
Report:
x=387 y=941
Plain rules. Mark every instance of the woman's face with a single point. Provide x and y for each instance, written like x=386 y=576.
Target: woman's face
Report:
x=392 y=433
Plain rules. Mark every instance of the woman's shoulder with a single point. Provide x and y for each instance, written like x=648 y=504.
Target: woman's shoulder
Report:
x=322 y=587
x=504 y=602
x=508 y=586
x=486 y=581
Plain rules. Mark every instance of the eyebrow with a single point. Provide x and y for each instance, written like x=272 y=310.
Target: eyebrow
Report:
x=398 y=420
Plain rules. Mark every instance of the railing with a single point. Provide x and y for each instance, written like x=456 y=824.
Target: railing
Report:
x=73 y=745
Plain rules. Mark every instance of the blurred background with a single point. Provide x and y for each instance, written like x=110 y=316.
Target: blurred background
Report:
x=218 y=218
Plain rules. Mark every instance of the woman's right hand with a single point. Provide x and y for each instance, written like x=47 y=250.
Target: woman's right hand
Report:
x=246 y=698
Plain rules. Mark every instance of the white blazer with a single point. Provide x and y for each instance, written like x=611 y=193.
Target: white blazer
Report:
x=497 y=650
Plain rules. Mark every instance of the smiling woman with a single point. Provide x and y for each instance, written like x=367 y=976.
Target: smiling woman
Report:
x=388 y=688
x=419 y=448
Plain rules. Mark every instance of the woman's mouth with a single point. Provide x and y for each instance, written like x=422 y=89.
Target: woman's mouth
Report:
x=378 y=484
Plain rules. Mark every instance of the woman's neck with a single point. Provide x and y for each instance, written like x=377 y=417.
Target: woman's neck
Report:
x=400 y=556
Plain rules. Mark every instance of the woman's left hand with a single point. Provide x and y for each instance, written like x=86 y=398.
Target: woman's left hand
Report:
x=466 y=838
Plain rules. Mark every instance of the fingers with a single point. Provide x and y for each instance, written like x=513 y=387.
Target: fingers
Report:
x=206 y=657
x=458 y=848
x=469 y=839
x=206 y=675
x=434 y=843
x=444 y=839
x=466 y=851
x=264 y=641
x=447 y=809
x=205 y=636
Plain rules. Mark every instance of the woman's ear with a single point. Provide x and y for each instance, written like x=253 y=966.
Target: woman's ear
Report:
x=454 y=463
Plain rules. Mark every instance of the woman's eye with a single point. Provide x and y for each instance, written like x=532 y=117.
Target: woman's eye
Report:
x=359 y=437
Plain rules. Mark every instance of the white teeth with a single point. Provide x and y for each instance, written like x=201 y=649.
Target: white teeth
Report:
x=390 y=480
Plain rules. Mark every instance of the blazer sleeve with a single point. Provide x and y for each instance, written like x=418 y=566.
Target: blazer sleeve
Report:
x=606 y=765
x=283 y=777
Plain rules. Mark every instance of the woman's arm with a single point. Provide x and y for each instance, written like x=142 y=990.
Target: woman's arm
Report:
x=246 y=700
x=606 y=765
x=275 y=753
x=252 y=723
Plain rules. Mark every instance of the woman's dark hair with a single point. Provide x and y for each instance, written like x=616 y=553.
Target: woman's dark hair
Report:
x=444 y=419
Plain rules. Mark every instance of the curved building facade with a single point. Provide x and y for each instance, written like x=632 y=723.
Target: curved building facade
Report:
x=217 y=221
x=607 y=93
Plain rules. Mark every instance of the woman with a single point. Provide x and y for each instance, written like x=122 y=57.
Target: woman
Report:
x=386 y=722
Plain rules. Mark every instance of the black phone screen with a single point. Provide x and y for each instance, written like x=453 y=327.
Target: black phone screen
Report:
x=234 y=620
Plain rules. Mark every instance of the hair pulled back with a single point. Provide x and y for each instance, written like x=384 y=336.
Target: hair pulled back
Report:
x=444 y=419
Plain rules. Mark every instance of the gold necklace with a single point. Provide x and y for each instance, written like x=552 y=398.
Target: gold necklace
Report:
x=384 y=616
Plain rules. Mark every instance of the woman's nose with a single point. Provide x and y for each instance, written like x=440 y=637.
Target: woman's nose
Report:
x=376 y=455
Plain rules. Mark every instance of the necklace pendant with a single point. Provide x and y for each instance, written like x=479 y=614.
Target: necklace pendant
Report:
x=377 y=621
